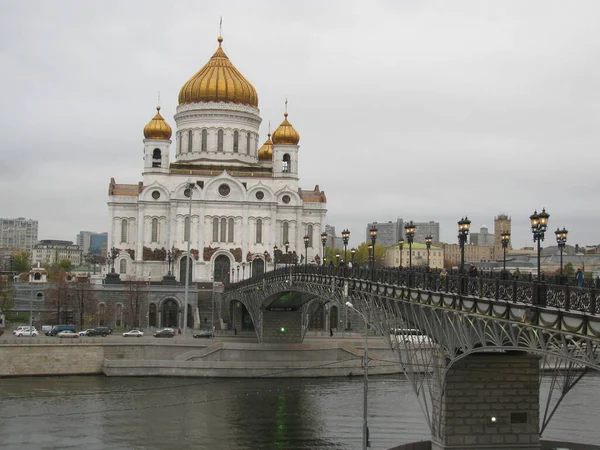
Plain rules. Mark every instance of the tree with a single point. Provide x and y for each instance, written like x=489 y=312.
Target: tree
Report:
x=84 y=299
x=137 y=293
x=568 y=270
x=59 y=294
x=65 y=264
x=7 y=294
x=21 y=262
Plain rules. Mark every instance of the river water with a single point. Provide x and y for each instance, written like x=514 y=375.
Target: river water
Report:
x=96 y=412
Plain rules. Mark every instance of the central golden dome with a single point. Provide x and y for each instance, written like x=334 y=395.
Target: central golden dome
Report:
x=218 y=81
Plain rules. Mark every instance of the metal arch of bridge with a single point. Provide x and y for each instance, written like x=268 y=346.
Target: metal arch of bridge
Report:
x=567 y=341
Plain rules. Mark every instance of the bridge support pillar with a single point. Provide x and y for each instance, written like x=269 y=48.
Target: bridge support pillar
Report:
x=489 y=401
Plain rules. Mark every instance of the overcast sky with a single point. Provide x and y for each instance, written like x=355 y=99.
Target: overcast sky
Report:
x=413 y=109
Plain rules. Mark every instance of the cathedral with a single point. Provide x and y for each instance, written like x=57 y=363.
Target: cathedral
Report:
x=219 y=205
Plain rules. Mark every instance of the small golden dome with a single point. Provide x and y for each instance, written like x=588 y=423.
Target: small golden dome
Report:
x=218 y=81
x=265 y=153
x=157 y=128
x=285 y=134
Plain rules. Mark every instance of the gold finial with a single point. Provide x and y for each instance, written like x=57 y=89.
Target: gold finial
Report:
x=158 y=108
x=219 y=40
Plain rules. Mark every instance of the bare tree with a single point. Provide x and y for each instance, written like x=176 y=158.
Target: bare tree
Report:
x=137 y=294
x=84 y=299
x=58 y=294
x=7 y=294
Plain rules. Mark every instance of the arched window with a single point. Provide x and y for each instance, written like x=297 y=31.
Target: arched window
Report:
x=156 y=157
x=285 y=232
x=247 y=143
x=154 y=230
x=309 y=233
x=223 y=230
x=204 y=139
x=220 y=141
x=190 y=141
x=258 y=231
x=37 y=276
x=123 y=266
x=186 y=229
x=124 y=230
x=230 y=231
x=287 y=163
x=215 y=237
x=236 y=139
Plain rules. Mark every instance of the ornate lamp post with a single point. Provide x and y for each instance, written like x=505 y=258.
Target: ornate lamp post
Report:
x=373 y=234
x=266 y=255
x=287 y=246
x=428 y=240
x=324 y=242
x=238 y=272
x=400 y=247
x=170 y=258
x=539 y=224
x=463 y=231
x=561 y=240
x=337 y=259
x=505 y=239
x=352 y=252
x=345 y=239
x=306 y=242
x=243 y=270
x=112 y=255
x=275 y=248
x=409 y=230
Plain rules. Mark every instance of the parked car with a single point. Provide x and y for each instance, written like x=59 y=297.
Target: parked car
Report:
x=85 y=332
x=203 y=334
x=99 y=331
x=67 y=334
x=19 y=328
x=58 y=328
x=133 y=333
x=165 y=332
x=27 y=331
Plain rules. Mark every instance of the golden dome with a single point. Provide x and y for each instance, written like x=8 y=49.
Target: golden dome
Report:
x=265 y=153
x=218 y=81
x=285 y=134
x=157 y=128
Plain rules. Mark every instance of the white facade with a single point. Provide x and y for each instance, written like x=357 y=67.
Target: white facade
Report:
x=241 y=205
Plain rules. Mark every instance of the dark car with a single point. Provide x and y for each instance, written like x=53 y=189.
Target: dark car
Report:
x=202 y=334
x=165 y=332
x=99 y=331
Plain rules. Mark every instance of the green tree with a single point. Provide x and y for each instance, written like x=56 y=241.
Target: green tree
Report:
x=66 y=265
x=569 y=270
x=21 y=262
x=7 y=294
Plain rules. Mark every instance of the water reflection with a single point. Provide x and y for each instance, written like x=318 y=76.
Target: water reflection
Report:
x=278 y=414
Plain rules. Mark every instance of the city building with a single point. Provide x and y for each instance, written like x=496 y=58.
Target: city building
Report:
x=483 y=238
x=91 y=242
x=243 y=199
x=473 y=253
x=502 y=224
x=53 y=251
x=388 y=233
x=419 y=256
x=18 y=234
x=424 y=229
x=333 y=240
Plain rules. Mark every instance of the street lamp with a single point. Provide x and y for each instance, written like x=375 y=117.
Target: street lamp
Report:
x=324 y=242
x=373 y=234
x=190 y=189
x=561 y=239
x=337 y=259
x=306 y=242
x=243 y=270
x=539 y=224
x=400 y=246
x=428 y=240
x=275 y=248
x=409 y=231
x=112 y=255
x=266 y=255
x=463 y=231
x=353 y=252
x=505 y=239
x=366 y=442
x=286 y=245
x=345 y=239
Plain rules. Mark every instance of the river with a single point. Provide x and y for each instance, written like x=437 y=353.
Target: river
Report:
x=96 y=412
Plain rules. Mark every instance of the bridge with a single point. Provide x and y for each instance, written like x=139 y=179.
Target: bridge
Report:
x=486 y=342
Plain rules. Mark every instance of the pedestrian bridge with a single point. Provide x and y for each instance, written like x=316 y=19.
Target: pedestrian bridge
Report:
x=489 y=340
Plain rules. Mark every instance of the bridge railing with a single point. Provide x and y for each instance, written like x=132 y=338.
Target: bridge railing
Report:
x=543 y=293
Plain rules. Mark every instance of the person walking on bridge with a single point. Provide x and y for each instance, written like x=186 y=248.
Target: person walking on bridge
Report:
x=579 y=277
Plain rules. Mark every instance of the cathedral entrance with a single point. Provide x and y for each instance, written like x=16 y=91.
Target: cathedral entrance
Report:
x=222 y=269
x=258 y=267
x=183 y=264
x=169 y=313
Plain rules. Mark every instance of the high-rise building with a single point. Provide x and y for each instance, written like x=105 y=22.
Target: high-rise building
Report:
x=388 y=233
x=483 y=238
x=91 y=242
x=244 y=200
x=18 y=234
x=424 y=229
x=502 y=223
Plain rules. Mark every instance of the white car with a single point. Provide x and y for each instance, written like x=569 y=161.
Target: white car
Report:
x=27 y=331
x=19 y=328
x=133 y=333
x=67 y=334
